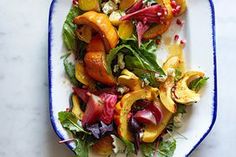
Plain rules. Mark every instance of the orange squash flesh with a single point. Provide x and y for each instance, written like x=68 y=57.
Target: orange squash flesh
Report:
x=123 y=108
x=101 y=23
x=95 y=64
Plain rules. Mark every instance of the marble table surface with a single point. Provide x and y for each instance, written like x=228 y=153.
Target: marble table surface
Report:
x=24 y=120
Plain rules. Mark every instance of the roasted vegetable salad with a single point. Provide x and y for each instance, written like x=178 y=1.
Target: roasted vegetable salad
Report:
x=123 y=101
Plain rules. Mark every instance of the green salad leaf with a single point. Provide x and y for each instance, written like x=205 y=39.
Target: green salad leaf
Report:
x=148 y=149
x=70 y=122
x=181 y=108
x=166 y=148
x=69 y=28
x=197 y=84
x=82 y=148
x=142 y=61
x=130 y=149
x=70 y=71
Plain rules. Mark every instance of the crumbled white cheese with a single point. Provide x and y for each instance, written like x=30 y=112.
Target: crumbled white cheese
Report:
x=116 y=68
x=119 y=146
x=121 y=62
x=146 y=81
x=122 y=89
x=178 y=120
x=161 y=78
x=109 y=7
x=171 y=72
x=115 y=17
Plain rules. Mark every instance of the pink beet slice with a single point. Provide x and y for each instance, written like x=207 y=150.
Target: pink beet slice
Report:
x=93 y=110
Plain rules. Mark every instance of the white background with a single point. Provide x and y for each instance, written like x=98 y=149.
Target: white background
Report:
x=25 y=129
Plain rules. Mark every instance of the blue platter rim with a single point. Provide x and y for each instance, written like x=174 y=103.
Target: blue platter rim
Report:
x=214 y=114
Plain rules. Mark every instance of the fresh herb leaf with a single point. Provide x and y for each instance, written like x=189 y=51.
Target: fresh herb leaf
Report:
x=70 y=71
x=181 y=108
x=69 y=28
x=148 y=149
x=142 y=58
x=82 y=148
x=81 y=49
x=197 y=84
x=70 y=122
x=178 y=74
x=148 y=75
x=130 y=149
x=166 y=148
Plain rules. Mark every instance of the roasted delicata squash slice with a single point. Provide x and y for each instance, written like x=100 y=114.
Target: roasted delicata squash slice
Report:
x=130 y=80
x=123 y=109
x=82 y=76
x=75 y=106
x=181 y=92
x=173 y=62
x=101 y=23
x=166 y=94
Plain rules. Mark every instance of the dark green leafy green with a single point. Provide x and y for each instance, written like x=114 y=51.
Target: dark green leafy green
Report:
x=181 y=108
x=166 y=148
x=146 y=75
x=82 y=148
x=148 y=149
x=143 y=59
x=69 y=28
x=70 y=122
x=81 y=49
x=198 y=83
x=70 y=71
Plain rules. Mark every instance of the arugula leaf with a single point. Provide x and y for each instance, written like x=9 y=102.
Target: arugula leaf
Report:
x=82 y=148
x=166 y=148
x=148 y=149
x=81 y=49
x=142 y=58
x=70 y=71
x=69 y=28
x=197 y=84
x=145 y=74
x=70 y=122
x=130 y=149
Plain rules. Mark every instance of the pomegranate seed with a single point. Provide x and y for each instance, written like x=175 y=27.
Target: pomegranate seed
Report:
x=176 y=38
x=159 y=13
x=178 y=8
x=179 y=22
x=174 y=11
x=75 y=2
x=173 y=4
x=183 y=42
x=88 y=94
x=158 y=41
